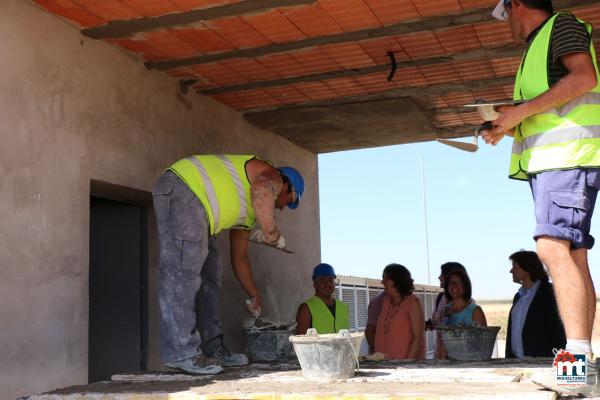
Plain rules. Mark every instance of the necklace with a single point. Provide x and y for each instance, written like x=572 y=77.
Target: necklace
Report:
x=389 y=316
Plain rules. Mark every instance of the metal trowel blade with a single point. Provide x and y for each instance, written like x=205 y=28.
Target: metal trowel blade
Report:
x=273 y=247
x=470 y=147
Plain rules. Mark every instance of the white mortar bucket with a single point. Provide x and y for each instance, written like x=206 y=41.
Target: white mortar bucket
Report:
x=469 y=343
x=330 y=356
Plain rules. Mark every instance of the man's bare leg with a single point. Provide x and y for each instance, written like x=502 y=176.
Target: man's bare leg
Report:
x=569 y=286
x=572 y=285
x=581 y=259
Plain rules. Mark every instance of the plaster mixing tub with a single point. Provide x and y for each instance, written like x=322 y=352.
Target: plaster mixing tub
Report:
x=331 y=356
x=269 y=345
x=468 y=343
x=269 y=340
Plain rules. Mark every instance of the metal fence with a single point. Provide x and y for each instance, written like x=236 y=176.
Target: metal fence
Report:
x=357 y=292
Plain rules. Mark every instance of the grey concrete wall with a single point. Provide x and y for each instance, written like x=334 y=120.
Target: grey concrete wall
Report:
x=74 y=110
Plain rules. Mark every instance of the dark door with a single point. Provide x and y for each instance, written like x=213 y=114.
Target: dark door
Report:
x=117 y=295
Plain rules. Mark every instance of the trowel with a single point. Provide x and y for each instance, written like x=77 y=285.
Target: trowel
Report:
x=470 y=147
x=268 y=324
x=487 y=112
x=273 y=247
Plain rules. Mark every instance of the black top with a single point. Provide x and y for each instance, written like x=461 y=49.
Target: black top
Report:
x=331 y=308
x=568 y=36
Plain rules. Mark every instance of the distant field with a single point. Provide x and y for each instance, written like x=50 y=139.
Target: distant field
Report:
x=496 y=313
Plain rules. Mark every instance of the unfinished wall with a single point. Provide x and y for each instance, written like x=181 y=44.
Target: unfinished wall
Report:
x=73 y=110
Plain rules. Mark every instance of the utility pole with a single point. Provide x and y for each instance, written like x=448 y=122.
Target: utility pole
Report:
x=424 y=209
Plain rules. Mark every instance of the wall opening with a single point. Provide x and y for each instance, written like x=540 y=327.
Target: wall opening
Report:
x=118 y=282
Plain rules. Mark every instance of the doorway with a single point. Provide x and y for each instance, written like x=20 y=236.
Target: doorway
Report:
x=117 y=289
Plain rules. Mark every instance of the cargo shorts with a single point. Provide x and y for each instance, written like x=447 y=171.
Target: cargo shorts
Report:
x=564 y=203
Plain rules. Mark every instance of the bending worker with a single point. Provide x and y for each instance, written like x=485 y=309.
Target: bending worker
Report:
x=195 y=199
x=322 y=311
x=556 y=148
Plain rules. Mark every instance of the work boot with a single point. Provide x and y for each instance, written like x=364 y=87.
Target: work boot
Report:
x=228 y=359
x=592 y=371
x=197 y=365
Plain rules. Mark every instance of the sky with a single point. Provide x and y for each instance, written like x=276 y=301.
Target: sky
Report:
x=371 y=209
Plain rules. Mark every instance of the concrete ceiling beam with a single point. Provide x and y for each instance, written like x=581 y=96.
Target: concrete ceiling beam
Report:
x=417 y=92
x=127 y=28
x=427 y=24
x=473 y=55
x=381 y=122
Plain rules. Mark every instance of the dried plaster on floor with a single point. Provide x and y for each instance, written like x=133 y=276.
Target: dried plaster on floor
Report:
x=447 y=380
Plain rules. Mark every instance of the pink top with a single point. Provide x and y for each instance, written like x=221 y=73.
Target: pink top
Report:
x=375 y=309
x=393 y=334
x=438 y=311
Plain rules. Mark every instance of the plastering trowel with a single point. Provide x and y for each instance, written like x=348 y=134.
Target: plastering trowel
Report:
x=487 y=112
x=273 y=247
x=268 y=324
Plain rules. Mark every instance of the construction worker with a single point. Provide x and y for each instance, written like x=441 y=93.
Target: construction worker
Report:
x=322 y=311
x=195 y=199
x=556 y=147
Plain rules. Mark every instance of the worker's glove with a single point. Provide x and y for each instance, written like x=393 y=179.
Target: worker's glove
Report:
x=259 y=236
x=280 y=243
x=253 y=306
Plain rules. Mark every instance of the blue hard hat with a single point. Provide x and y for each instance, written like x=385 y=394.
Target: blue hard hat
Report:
x=322 y=270
x=296 y=181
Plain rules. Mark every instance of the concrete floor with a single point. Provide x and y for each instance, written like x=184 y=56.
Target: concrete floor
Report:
x=499 y=378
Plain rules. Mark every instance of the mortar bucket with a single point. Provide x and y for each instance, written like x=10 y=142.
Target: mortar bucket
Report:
x=330 y=356
x=269 y=345
x=469 y=343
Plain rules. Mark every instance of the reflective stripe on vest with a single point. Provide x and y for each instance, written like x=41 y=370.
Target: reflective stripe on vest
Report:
x=239 y=187
x=221 y=185
x=561 y=138
x=208 y=189
x=322 y=319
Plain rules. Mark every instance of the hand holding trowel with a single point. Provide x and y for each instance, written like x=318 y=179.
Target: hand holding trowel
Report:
x=259 y=237
x=487 y=112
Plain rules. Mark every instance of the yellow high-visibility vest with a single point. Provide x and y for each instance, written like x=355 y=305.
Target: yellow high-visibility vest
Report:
x=565 y=137
x=221 y=184
x=322 y=319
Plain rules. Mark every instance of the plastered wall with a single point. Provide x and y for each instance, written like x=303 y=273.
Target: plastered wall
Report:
x=74 y=110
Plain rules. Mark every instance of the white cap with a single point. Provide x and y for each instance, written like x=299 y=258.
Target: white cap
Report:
x=500 y=12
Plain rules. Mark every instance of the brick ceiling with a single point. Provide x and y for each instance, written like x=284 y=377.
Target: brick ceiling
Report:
x=267 y=58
